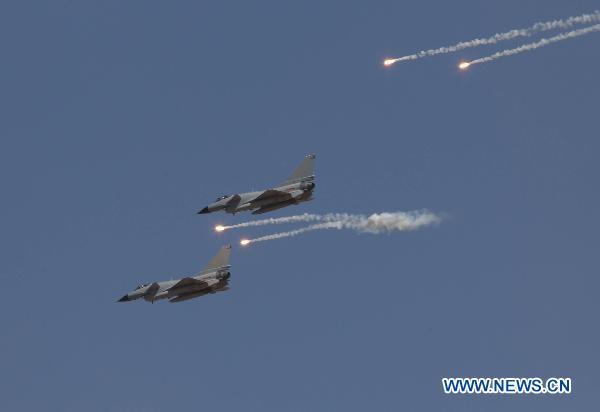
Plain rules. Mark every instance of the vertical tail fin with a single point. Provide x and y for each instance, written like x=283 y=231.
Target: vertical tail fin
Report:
x=304 y=171
x=221 y=260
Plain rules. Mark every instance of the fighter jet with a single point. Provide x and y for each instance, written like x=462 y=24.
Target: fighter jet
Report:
x=295 y=189
x=214 y=278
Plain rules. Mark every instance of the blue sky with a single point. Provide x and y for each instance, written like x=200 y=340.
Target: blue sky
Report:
x=121 y=119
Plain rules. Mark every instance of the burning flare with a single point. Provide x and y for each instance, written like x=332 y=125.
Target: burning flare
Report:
x=220 y=228
x=464 y=65
x=386 y=222
x=541 y=43
x=584 y=19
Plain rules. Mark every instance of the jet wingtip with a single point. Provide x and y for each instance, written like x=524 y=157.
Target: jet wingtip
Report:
x=203 y=211
x=124 y=299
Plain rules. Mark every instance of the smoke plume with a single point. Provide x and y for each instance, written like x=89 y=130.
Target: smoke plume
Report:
x=536 y=45
x=499 y=37
x=375 y=223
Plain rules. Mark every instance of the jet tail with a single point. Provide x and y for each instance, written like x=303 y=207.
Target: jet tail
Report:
x=304 y=171
x=220 y=261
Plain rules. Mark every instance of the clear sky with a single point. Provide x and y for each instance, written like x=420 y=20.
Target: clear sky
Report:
x=119 y=120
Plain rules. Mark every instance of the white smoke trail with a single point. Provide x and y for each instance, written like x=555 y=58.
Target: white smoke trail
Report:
x=306 y=217
x=375 y=223
x=274 y=221
x=509 y=35
x=535 y=45
x=295 y=232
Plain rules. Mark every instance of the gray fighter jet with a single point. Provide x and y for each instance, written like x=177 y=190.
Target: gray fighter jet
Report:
x=296 y=189
x=214 y=278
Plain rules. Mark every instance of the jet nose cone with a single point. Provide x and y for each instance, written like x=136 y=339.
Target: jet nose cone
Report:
x=124 y=299
x=204 y=211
